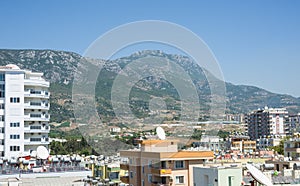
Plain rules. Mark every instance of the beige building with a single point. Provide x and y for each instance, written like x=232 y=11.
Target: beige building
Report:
x=242 y=144
x=158 y=162
x=292 y=148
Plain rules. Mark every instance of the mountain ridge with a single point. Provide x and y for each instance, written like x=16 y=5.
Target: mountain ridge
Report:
x=59 y=67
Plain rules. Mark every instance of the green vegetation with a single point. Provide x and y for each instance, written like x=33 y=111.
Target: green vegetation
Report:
x=64 y=124
x=280 y=148
x=72 y=146
x=56 y=132
x=223 y=134
x=197 y=134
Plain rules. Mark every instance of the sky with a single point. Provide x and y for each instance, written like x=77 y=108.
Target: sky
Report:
x=255 y=42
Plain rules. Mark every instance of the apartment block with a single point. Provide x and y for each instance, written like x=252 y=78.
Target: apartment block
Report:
x=268 y=122
x=158 y=162
x=24 y=106
x=241 y=144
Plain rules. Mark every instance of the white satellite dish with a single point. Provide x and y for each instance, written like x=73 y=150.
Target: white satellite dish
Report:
x=42 y=152
x=259 y=176
x=161 y=133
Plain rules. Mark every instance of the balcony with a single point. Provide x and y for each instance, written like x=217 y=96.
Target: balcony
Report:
x=36 y=141
x=125 y=179
x=36 y=82
x=37 y=105
x=37 y=129
x=296 y=150
x=124 y=166
x=161 y=172
x=36 y=94
x=36 y=117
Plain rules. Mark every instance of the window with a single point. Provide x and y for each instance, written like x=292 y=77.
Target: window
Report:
x=14 y=148
x=14 y=136
x=35 y=115
x=143 y=169
x=114 y=175
x=143 y=183
x=2 y=91
x=35 y=127
x=35 y=92
x=2 y=118
x=2 y=106
x=16 y=124
x=179 y=164
x=15 y=100
x=131 y=174
x=150 y=163
x=179 y=179
x=35 y=139
x=230 y=178
x=35 y=104
x=2 y=77
x=150 y=178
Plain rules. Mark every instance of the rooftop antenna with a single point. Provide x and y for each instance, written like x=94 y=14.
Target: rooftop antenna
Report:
x=161 y=133
x=259 y=176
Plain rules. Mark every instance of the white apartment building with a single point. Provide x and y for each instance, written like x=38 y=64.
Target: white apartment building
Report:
x=268 y=122
x=24 y=106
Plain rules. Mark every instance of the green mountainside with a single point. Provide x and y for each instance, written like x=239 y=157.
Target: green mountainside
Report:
x=59 y=67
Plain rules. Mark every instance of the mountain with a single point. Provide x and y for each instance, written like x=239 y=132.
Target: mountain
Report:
x=59 y=67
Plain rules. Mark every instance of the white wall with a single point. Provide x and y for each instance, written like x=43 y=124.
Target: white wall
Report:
x=14 y=112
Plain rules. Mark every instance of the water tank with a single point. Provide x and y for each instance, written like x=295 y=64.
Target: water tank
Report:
x=268 y=166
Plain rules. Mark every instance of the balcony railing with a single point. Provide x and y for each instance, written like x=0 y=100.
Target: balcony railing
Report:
x=36 y=94
x=36 y=141
x=36 y=105
x=34 y=129
x=36 y=82
x=161 y=171
x=297 y=150
x=36 y=117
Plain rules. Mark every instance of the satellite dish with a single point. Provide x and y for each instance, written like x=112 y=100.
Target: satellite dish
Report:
x=259 y=176
x=161 y=133
x=42 y=152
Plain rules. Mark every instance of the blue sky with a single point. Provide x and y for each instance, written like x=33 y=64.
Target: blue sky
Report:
x=255 y=42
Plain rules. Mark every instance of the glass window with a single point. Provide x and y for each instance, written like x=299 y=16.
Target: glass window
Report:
x=14 y=148
x=2 y=90
x=14 y=136
x=131 y=174
x=2 y=118
x=150 y=178
x=179 y=179
x=15 y=100
x=2 y=77
x=179 y=164
x=16 y=124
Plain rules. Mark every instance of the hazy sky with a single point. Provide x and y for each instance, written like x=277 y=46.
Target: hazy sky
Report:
x=255 y=42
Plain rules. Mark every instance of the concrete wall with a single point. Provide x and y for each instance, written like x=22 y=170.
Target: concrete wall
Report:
x=217 y=176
